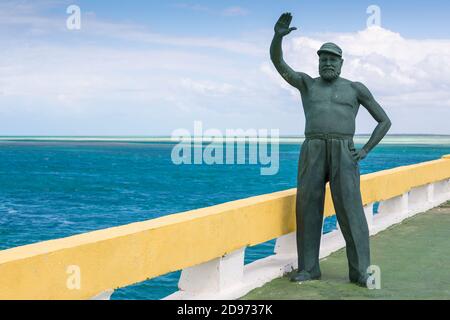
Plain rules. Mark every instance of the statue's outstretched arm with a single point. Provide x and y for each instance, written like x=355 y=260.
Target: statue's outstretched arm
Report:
x=299 y=80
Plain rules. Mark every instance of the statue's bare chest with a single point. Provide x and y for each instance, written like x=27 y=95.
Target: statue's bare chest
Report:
x=331 y=96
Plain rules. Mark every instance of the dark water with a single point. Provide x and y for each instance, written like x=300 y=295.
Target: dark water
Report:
x=51 y=190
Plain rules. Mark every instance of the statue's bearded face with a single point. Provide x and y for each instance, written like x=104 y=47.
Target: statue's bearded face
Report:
x=330 y=66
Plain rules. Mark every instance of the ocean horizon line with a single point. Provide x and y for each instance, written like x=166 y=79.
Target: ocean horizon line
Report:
x=169 y=136
x=285 y=139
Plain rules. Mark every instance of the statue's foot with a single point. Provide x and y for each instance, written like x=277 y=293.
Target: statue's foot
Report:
x=304 y=276
x=361 y=281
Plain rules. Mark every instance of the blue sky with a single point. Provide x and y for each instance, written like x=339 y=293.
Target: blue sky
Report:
x=151 y=67
x=209 y=18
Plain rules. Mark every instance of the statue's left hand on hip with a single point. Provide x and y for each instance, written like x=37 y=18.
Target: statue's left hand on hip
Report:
x=359 y=155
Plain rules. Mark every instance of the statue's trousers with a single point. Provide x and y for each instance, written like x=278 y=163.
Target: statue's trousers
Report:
x=323 y=158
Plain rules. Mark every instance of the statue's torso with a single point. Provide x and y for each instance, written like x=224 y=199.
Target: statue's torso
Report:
x=330 y=108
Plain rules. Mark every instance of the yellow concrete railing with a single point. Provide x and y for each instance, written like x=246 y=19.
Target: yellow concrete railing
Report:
x=120 y=256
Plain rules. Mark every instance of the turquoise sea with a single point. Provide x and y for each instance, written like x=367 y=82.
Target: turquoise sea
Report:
x=57 y=187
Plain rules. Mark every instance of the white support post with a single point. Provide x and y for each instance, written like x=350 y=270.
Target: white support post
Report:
x=395 y=206
x=286 y=244
x=286 y=252
x=447 y=188
x=441 y=191
x=390 y=211
x=215 y=275
x=430 y=193
x=420 y=199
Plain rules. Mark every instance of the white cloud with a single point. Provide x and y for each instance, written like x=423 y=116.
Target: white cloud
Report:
x=230 y=11
x=194 y=7
x=208 y=87
x=25 y=17
x=235 y=11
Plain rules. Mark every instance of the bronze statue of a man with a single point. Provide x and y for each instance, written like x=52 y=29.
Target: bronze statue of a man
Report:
x=330 y=104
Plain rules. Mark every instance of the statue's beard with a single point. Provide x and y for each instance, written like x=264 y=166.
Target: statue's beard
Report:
x=329 y=74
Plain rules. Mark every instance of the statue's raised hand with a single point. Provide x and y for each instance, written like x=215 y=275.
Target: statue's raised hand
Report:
x=282 y=26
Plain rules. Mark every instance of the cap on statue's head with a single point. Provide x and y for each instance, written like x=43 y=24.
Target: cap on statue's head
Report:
x=330 y=48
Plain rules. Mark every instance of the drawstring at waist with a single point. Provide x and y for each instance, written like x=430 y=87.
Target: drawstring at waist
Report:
x=327 y=136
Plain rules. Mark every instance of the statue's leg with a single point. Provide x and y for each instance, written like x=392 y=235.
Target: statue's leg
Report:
x=346 y=194
x=309 y=206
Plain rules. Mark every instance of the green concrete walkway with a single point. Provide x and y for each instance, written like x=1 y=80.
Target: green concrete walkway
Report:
x=414 y=257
